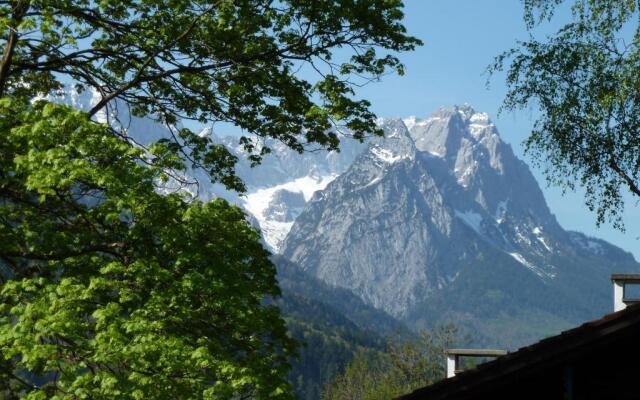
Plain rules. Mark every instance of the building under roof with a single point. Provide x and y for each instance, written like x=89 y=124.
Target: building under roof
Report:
x=597 y=360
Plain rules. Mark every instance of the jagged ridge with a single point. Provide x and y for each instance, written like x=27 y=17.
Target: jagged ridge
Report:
x=442 y=221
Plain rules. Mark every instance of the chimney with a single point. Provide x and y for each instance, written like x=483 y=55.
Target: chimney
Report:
x=620 y=301
x=454 y=355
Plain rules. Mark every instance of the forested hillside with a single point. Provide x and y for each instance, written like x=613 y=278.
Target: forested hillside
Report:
x=332 y=324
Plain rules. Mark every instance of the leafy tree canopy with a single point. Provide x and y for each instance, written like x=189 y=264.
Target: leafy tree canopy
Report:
x=585 y=80
x=235 y=61
x=111 y=290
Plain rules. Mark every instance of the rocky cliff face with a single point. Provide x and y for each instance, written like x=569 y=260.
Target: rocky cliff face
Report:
x=440 y=221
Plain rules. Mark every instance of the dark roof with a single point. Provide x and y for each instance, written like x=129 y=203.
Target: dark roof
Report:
x=540 y=355
x=476 y=352
x=628 y=278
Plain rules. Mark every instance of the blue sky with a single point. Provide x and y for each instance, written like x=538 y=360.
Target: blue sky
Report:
x=461 y=38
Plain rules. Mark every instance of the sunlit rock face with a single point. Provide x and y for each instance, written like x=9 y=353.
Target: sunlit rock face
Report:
x=440 y=221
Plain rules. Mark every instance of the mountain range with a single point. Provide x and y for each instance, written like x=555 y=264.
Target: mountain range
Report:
x=440 y=221
x=436 y=222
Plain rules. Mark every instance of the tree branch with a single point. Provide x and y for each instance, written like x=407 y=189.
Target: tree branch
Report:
x=625 y=177
x=138 y=77
x=7 y=55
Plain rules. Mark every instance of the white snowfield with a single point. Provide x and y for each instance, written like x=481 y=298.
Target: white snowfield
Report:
x=257 y=201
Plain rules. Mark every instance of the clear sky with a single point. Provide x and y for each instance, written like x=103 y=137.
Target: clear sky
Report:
x=461 y=38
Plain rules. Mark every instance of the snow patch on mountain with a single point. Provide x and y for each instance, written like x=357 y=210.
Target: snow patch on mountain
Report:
x=537 y=231
x=386 y=155
x=533 y=268
x=257 y=202
x=413 y=121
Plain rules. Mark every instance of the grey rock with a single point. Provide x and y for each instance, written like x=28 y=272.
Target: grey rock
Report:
x=285 y=206
x=441 y=222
